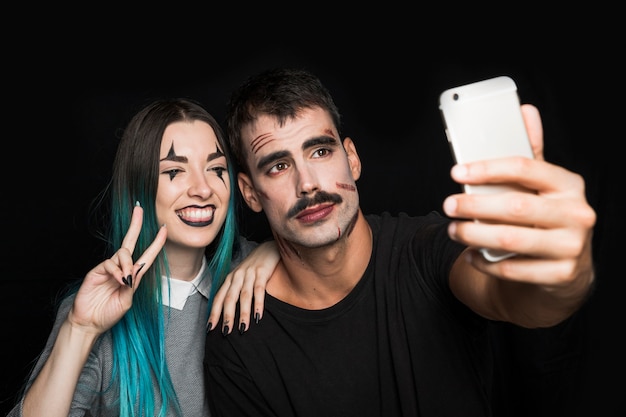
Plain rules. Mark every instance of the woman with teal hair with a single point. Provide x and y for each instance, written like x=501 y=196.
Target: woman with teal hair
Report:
x=129 y=339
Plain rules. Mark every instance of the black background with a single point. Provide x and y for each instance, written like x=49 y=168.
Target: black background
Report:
x=71 y=88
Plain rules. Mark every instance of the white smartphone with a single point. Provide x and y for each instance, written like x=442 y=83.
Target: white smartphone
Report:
x=483 y=120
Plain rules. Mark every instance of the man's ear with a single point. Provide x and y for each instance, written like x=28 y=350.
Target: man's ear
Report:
x=353 y=158
x=248 y=192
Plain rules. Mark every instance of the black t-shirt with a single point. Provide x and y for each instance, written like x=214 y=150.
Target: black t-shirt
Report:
x=400 y=344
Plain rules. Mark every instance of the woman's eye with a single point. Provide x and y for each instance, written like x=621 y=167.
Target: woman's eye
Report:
x=219 y=171
x=172 y=172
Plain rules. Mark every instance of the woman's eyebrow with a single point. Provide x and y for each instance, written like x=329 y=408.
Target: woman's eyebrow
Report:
x=171 y=156
x=215 y=155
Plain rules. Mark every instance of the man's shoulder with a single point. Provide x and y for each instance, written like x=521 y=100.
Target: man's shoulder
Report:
x=389 y=219
x=428 y=229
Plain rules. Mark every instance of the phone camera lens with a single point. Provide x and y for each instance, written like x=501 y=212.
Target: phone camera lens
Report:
x=455 y=96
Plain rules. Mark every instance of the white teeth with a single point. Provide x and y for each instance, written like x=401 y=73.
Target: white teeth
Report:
x=196 y=214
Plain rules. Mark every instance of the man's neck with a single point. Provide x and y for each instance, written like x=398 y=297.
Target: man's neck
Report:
x=319 y=278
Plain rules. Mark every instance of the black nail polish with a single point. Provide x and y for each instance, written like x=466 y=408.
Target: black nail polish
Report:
x=257 y=317
x=129 y=278
x=225 y=330
x=140 y=268
x=209 y=327
x=125 y=282
x=242 y=328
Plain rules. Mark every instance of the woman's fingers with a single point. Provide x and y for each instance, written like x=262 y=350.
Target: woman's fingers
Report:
x=147 y=257
x=129 y=270
x=225 y=299
x=216 y=306
x=130 y=239
x=106 y=293
x=237 y=287
x=245 y=284
x=123 y=257
x=131 y=280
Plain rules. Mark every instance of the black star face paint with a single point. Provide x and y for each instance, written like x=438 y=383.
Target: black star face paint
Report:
x=215 y=155
x=171 y=156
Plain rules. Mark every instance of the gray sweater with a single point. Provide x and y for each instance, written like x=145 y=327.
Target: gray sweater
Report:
x=185 y=339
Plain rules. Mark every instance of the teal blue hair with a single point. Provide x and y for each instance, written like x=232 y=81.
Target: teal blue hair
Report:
x=139 y=337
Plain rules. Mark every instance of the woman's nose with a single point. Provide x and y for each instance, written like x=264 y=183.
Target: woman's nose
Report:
x=200 y=186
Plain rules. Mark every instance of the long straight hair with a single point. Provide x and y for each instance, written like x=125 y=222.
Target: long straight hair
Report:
x=139 y=337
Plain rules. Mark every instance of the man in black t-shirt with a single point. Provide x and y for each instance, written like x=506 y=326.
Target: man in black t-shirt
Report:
x=385 y=315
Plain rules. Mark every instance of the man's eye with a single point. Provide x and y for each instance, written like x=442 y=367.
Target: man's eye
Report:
x=319 y=153
x=277 y=168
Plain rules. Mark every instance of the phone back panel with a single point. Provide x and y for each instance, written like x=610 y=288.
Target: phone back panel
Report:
x=483 y=121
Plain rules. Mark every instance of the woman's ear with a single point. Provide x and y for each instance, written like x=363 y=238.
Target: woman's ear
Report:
x=248 y=192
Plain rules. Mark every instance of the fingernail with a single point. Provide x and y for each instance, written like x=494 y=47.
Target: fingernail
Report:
x=225 y=330
x=125 y=282
x=242 y=328
x=209 y=327
x=129 y=280
x=460 y=170
x=257 y=317
x=452 y=229
x=140 y=268
x=450 y=205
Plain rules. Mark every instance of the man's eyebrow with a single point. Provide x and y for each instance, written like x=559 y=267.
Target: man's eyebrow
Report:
x=268 y=159
x=320 y=140
x=309 y=143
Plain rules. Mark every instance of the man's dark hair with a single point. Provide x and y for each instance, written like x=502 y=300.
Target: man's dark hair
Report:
x=277 y=92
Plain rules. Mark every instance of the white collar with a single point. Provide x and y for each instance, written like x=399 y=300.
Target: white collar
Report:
x=175 y=291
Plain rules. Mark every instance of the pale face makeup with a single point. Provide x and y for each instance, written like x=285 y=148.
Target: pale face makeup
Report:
x=304 y=180
x=194 y=187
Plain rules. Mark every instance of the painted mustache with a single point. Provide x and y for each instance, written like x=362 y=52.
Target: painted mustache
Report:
x=319 y=198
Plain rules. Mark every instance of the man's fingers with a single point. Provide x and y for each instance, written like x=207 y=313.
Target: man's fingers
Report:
x=532 y=121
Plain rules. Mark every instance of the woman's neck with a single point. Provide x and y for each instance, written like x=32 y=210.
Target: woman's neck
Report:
x=184 y=264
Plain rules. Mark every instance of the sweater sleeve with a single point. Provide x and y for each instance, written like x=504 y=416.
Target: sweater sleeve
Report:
x=62 y=312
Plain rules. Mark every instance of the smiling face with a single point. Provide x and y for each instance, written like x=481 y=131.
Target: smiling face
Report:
x=302 y=177
x=194 y=186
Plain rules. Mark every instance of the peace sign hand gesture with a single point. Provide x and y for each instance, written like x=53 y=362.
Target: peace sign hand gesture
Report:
x=106 y=293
